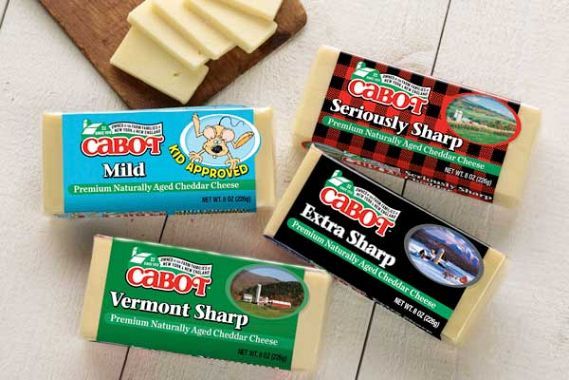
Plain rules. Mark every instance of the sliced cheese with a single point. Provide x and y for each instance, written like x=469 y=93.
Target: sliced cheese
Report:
x=147 y=21
x=266 y=9
x=53 y=189
x=248 y=32
x=509 y=188
x=205 y=37
x=474 y=297
x=309 y=324
x=142 y=58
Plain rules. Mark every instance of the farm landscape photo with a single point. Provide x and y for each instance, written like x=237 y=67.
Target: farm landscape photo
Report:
x=481 y=119
x=267 y=292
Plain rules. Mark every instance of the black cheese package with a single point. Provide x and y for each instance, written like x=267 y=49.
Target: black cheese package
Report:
x=396 y=253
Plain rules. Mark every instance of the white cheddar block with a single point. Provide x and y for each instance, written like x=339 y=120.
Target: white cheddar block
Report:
x=205 y=37
x=140 y=57
x=146 y=20
x=509 y=188
x=474 y=299
x=266 y=9
x=265 y=162
x=248 y=32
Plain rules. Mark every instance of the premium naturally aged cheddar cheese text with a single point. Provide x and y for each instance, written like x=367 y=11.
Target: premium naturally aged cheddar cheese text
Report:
x=205 y=304
x=180 y=160
x=396 y=253
x=417 y=127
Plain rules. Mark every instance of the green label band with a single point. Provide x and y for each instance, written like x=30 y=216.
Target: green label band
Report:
x=160 y=187
x=413 y=146
x=369 y=268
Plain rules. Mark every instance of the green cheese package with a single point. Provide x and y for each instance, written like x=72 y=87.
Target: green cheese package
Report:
x=205 y=304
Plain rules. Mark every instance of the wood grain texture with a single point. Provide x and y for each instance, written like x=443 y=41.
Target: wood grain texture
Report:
x=518 y=50
x=45 y=261
x=98 y=27
x=3 y=7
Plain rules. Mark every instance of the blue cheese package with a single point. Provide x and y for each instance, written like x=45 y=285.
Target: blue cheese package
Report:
x=172 y=161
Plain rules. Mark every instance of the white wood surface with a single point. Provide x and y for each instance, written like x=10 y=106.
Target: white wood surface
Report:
x=500 y=46
x=517 y=49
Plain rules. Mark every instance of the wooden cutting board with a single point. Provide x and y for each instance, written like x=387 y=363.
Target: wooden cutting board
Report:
x=97 y=27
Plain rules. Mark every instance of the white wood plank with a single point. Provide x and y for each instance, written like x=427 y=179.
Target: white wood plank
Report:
x=44 y=260
x=3 y=5
x=279 y=81
x=517 y=49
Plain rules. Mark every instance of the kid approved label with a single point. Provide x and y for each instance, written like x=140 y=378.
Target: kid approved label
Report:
x=198 y=303
x=417 y=127
x=397 y=254
x=174 y=161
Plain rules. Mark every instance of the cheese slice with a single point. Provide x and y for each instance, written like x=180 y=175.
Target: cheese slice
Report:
x=142 y=58
x=205 y=37
x=309 y=324
x=52 y=140
x=266 y=9
x=248 y=32
x=472 y=300
x=509 y=189
x=147 y=21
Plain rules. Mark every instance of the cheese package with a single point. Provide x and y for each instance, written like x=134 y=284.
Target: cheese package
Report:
x=181 y=160
x=206 y=38
x=142 y=58
x=154 y=27
x=399 y=255
x=266 y=9
x=204 y=304
x=417 y=127
x=247 y=31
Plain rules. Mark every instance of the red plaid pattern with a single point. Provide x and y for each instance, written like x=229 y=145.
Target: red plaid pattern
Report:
x=415 y=166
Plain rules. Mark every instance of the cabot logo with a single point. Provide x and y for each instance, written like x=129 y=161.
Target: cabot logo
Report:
x=388 y=90
x=121 y=139
x=358 y=204
x=168 y=274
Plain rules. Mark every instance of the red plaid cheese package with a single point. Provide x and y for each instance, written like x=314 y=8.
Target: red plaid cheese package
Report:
x=417 y=127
